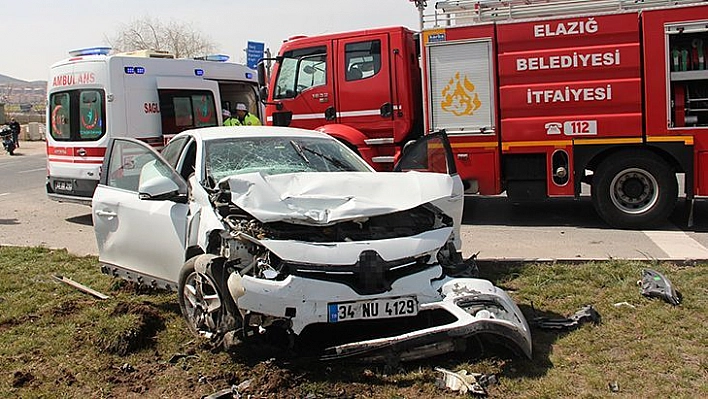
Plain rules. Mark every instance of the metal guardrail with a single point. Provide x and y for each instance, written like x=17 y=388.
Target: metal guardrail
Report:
x=465 y=12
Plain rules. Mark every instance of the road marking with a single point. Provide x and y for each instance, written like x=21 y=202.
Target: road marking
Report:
x=677 y=244
x=4 y=194
x=32 y=170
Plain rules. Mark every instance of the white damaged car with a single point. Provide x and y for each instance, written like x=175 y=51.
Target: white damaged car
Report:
x=287 y=236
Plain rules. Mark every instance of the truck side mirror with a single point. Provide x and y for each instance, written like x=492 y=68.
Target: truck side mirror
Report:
x=262 y=75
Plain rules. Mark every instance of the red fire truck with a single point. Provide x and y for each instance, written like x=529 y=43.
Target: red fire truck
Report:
x=537 y=97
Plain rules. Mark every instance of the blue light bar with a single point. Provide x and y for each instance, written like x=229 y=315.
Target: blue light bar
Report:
x=199 y=72
x=129 y=70
x=217 y=57
x=249 y=75
x=139 y=70
x=100 y=50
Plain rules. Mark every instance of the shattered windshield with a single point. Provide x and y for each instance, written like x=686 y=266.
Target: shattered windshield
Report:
x=277 y=155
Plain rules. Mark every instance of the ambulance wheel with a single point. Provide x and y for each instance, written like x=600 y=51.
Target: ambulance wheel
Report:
x=204 y=301
x=634 y=190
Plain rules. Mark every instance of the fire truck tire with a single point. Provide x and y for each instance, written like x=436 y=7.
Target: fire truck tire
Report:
x=634 y=190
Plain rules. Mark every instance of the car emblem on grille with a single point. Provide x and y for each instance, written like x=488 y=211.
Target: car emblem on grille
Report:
x=372 y=273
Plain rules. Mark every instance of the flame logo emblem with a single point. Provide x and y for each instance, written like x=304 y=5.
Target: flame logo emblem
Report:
x=459 y=97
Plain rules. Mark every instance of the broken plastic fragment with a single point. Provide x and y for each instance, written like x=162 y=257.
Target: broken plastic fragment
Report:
x=463 y=382
x=654 y=285
x=627 y=304
x=584 y=315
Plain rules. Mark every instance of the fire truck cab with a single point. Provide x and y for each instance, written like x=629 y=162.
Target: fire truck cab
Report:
x=537 y=97
x=148 y=95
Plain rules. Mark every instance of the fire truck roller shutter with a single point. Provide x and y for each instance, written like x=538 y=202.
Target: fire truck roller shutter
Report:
x=634 y=189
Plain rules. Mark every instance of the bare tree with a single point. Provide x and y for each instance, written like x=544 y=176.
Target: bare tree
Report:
x=178 y=38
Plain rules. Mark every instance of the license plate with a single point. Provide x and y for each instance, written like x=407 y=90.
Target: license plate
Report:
x=373 y=309
x=63 y=185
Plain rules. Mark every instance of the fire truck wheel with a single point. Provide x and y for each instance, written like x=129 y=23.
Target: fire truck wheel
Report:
x=634 y=190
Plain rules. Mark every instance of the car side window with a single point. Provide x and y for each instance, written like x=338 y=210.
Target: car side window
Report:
x=431 y=153
x=173 y=150
x=125 y=163
x=190 y=160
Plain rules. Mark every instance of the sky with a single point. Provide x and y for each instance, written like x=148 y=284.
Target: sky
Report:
x=39 y=33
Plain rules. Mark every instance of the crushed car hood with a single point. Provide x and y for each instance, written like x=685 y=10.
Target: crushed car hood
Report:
x=328 y=198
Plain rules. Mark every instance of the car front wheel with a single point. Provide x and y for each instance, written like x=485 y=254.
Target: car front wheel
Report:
x=204 y=302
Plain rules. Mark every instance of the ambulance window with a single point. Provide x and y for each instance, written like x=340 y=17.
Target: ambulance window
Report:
x=204 y=112
x=362 y=60
x=91 y=112
x=186 y=109
x=77 y=115
x=183 y=112
x=300 y=70
x=60 y=126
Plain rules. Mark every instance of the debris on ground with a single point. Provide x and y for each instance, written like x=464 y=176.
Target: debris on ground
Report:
x=655 y=285
x=226 y=393
x=79 y=286
x=177 y=356
x=585 y=315
x=627 y=304
x=235 y=392
x=127 y=368
x=464 y=382
x=614 y=386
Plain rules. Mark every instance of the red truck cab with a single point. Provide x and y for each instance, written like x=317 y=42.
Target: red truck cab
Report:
x=363 y=89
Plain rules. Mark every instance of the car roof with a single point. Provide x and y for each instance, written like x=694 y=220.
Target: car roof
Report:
x=222 y=132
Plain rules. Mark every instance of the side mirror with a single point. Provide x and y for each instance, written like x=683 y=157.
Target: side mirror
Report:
x=262 y=74
x=160 y=188
x=263 y=94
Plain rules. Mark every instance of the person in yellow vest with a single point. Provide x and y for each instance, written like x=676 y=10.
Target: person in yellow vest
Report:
x=245 y=118
x=228 y=120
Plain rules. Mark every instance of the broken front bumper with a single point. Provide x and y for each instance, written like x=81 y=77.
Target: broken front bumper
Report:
x=478 y=307
x=461 y=308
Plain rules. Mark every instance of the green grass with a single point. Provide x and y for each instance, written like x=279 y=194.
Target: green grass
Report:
x=58 y=342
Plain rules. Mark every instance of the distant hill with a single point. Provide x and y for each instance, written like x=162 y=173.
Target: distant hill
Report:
x=17 y=92
x=4 y=79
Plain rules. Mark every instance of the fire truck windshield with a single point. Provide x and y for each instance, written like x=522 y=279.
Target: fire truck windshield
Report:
x=299 y=70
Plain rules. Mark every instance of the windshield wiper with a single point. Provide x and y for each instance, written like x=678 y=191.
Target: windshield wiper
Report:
x=297 y=148
x=336 y=162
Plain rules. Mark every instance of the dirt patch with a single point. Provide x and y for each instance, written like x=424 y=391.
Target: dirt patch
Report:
x=21 y=379
x=139 y=336
x=268 y=378
x=14 y=322
x=70 y=307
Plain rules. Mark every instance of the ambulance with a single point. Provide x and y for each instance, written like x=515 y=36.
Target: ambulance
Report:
x=149 y=95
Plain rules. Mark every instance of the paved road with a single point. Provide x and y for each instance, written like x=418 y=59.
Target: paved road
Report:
x=495 y=228
x=27 y=217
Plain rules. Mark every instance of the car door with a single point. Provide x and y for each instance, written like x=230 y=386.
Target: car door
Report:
x=433 y=153
x=140 y=214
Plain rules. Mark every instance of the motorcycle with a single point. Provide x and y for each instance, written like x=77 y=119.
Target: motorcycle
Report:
x=7 y=141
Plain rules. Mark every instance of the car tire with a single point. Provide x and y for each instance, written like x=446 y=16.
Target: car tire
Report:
x=634 y=190
x=204 y=300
